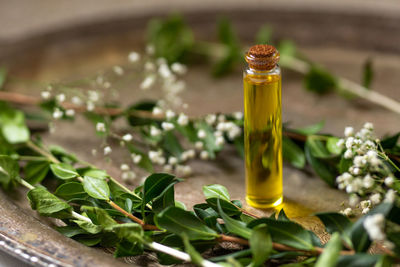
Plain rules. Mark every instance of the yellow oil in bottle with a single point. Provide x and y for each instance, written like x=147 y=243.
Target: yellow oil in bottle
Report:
x=263 y=138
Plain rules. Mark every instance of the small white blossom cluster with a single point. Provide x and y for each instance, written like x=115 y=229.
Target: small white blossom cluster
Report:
x=368 y=177
x=375 y=226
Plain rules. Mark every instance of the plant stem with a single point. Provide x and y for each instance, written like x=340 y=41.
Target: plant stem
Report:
x=32 y=158
x=41 y=151
x=178 y=254
x=303 y=67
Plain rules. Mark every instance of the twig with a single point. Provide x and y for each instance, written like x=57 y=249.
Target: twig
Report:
x=42 y=152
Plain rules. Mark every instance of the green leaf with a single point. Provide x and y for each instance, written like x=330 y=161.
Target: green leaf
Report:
x=287 y=50
x=95 y=173
x=170 y=143
x=63 y=155
x=195 y=256
x=319 y=81
x=390 y=141
x=165 y=200
x=101 y=216
x=126 y=248
x=172 y=38
x=336 y=222
x=282 y=216
x=286 y=232
x=48 y=204
x=332 y=146
x=71 y=230
x=88 y=226
x=63 y=171
x=70 y=191
x=345 y=164
x=260 y=244
x=229 y=208
x=96 y=188
x=216 y=191
x=9 y=171
x=3 y=76
x=358 y=260
x=89 y=240
x=235 y=227
x=331 y=252
x=36 y=171
x=384 y=261
x=13 y=126
x=311 y=129
x=155 y=185
x=368 y=73
x=179 y=221
x=292 y=153
x=264 y=35
x=323 y=170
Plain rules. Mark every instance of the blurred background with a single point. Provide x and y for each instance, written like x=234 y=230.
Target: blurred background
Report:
x=46 y=40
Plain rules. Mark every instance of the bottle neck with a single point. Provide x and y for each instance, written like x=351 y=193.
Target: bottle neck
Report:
x=276 y=70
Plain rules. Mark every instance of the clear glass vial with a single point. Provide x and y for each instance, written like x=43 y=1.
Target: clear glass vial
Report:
x=263 y=127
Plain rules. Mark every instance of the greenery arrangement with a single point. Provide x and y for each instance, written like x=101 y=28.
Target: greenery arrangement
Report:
x=97 y=210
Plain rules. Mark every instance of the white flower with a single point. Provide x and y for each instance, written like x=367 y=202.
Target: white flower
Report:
x=368 y=126
x=340 y=143
x=211 y=118
x=94 y=152
x=150 y=49
x=199 y=145
x=100 y=127
x=169 y=114
x=349 y=142
x=167 y=168
x=127 y=137
x=389 y=181
x=347 y=212
x=365 y=204
x=348 y=154
x=178 y=68
x=133 y=57
x=57 y=113
x=45 y=94
x=183 y=170
x=161 y=61
x=238 y=115
x=190 y=153
x=157 y=111
x=124 y=167
x=368 y=181
x=128 y=176
x=70 y=112
x=93 y=96
x=172 y=160
x=107 y=85
x=118 y=70
x=356 y=171
x=161 y=160
x=375 y=198
x=154 y=131
x=167 y=126
x=185 y=105
x=222 y=126
x=149 y=66
x=353 y=200
x=219 y=141
x=164 y=71
x=204 y=155
x=221 y=118
x=153 y=155
x=90 y=106
x=148 y=82
x=390 y=196
x=76 y=100
x=183 y=120
x=365 y=211
x=107 y=150
x=374 y=225
x=347 y=177
x=348 y=131
x=100 y=79
x=359 y=161
x=218 y=133
x=136 y=158
x=201 y=134
x=60 y=98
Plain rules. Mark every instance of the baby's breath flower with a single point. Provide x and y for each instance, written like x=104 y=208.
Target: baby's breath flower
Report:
x=164 y=71
x=106 y=85
x=353 y=200
x=350 y=142
x=218 y=133
x=136 y=158
x=348 y=131
x=375 y=198
x=238 y=115
x=366 y=210
x=153 y=156
x=150 y=49
x=45 y=94
x=127 y=137
x=365 y=204
x=169 y=114
x=219 y=141
x=167 y=126
x=148 y=82
x=124 y=167
x=100 y=127
x=94 y=152
x=133 y=57
x=199 y=145
x=128 y=176
x=93 y=96
x=369 y=126
x=76 y=100
x=204 y=155
x=211 y=118
x=167 y=168
x=60 y=98
x=374 y=225
x=107 y=150
x=70 y=112
x=154 y=131
x=347 y=212
x=172 y=160
x=390 y=196
x=178 y=68
x=183 y=170
x=157 y=111
x=201 y=134
x=149 y=66
x=57 y=113
x=90 y=106
x=389 y=181
x=221 y=118
x=368 y=181
x=183 y=120
x=340 y=143
x=118 y=70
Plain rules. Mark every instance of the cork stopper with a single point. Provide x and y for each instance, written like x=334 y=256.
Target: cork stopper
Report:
x=262 y=57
